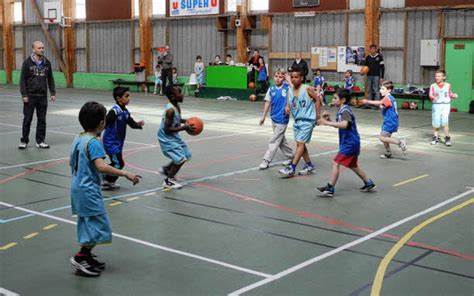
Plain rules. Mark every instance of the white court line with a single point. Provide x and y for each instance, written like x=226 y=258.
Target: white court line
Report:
x=126 y=150
x=346 y=246
x=5 y=292
x=149 y=244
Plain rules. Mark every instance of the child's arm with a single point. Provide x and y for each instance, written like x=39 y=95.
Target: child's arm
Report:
x=451 y=94
x=169 y=124
x=104 y=168
x=317 y=100
x=110 y=118
x=135 y=125
x=266 y=107
x=326 y=120
x=432 y=94
x=375 y=103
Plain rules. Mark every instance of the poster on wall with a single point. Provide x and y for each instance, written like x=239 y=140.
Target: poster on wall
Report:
x=350 y=58
x=193 y=7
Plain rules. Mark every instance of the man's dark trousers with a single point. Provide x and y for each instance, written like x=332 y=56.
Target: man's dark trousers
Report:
x=40 y=103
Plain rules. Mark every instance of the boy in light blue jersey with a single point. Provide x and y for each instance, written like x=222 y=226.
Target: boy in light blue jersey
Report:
x=390 y=119
x=305 y=104
x=275 y=101
x=349 y=144
x=87 y=163
x=171 y=143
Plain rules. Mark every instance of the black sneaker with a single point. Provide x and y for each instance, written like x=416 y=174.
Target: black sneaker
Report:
x=368 y=187
x=447 y=141
x=97 y=264
x=326 y=191
x=84 y=266
x=434 y=140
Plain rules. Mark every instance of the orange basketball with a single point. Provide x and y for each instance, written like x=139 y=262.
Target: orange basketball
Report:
x=252 y=98
x=406 y=105
x=251 y=84
x=197 y=123
x=364 y=70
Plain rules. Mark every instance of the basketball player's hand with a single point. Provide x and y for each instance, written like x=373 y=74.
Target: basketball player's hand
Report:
x=262 y=121
x=133 y=178
x=53 y=98
x=25 y=99
x=287 y=110
x=141 y=123
x=454 y=96
x=189 y=128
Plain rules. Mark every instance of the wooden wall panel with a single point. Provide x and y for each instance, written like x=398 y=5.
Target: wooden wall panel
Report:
x=98 y=10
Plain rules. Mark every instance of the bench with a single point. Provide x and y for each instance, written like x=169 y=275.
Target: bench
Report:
x=122 y=82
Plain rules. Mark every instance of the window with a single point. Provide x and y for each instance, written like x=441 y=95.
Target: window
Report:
x=232 y=5
x=136 y=9
x=17 y=12
x=80 y=10
x=159 y=7
x=259 y=5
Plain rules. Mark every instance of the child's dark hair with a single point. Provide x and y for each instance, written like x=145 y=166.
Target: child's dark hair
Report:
x=300 y=72
x=171 y=91
x=373 y=46
x=388 y=84
x=119 y=92
x=198 y=57
x=349 y=71
x=344 y=93
x=316 y=71
x=441 y=71
x=229 y=55
x=175 y=69
x=91 y=114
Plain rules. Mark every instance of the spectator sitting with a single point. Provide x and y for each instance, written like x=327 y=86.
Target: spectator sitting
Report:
x=229 y=61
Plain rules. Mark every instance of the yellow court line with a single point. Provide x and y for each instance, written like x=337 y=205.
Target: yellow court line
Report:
x=379 y=276
x=411 y=180
x=8 y=246
x=115 y=203
x=49 y=226
x=30 y=235
x=133 y=198
x=151 y=193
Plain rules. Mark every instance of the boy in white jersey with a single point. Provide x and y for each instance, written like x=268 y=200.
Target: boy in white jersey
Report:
x=441 y=95
x=305 y=105
x=275 y=102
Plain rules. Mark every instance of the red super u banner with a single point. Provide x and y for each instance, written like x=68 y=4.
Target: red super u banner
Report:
x=193 y=7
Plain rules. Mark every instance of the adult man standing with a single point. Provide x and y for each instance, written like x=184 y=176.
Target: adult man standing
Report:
x=299 y=65
x=166 y=62
x=36 y=76
x=376 y=73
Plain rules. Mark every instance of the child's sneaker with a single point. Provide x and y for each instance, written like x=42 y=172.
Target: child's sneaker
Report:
x=326 y=191
x=386 y=155
x=368 y=187
x=264 y=165
x=42 y=145
x=287 y=162
x=434 y=140
x=447 y=141
x=287 y=172
x=403 y=146
x=84 y=266
x=97 y=264
x=22 y=146
x=106 y=185
x=307 y=170
x=171 y=184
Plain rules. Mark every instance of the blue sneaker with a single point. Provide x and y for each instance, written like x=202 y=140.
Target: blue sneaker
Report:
x=307 y=170
x=326 y=191
x=287 y=172
x=369 y=187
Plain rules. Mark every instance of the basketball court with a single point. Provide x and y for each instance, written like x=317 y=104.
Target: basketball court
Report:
x=234 y=229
